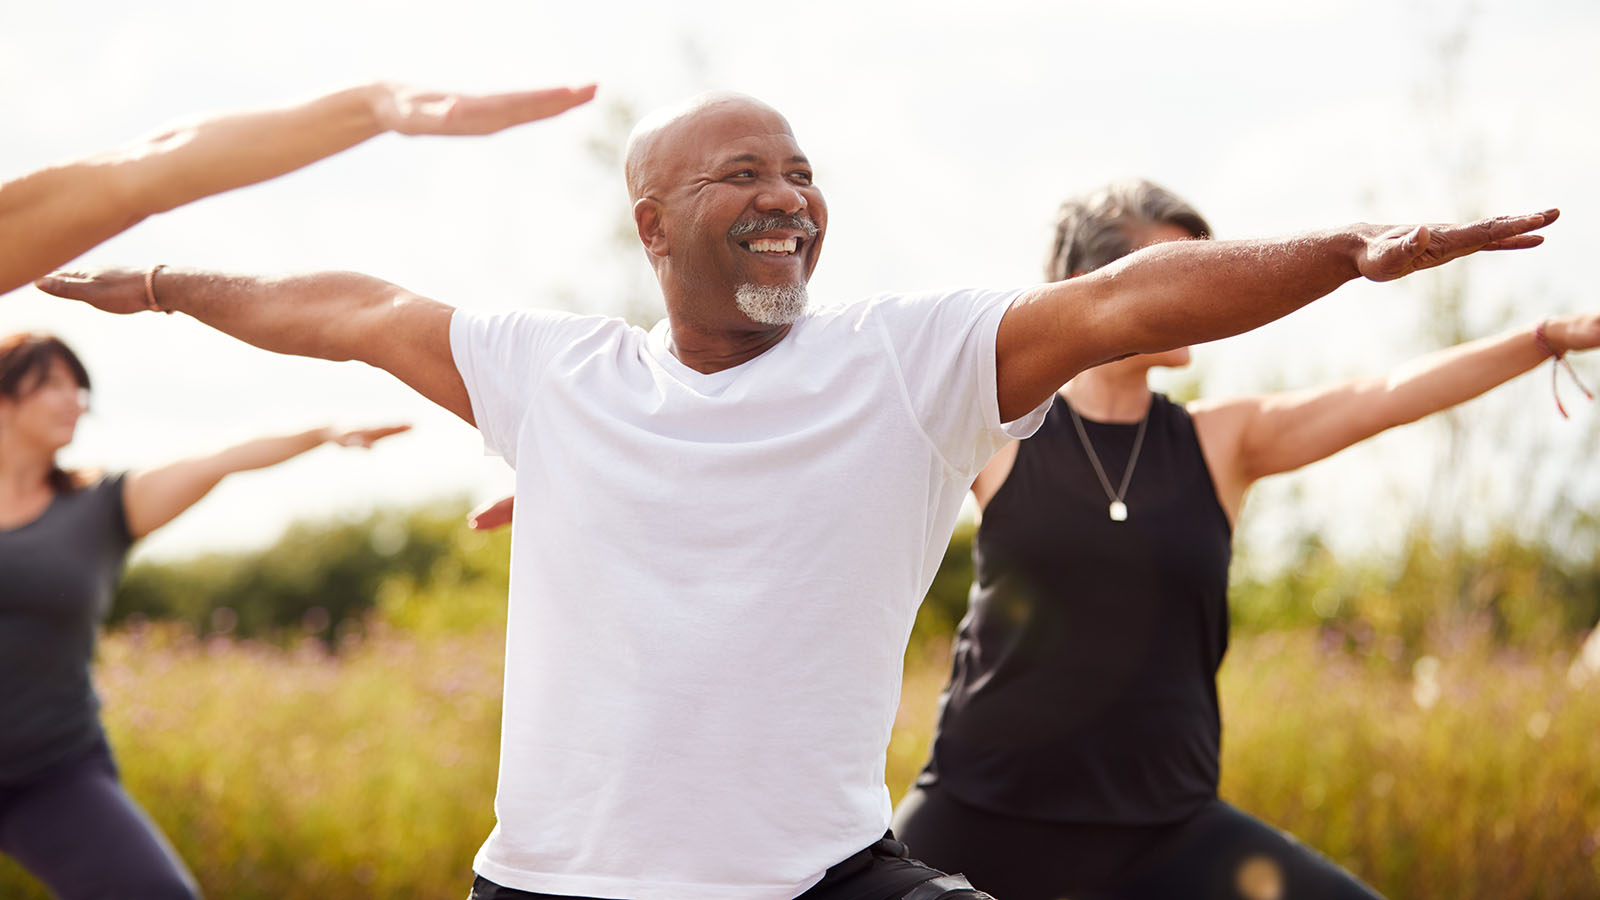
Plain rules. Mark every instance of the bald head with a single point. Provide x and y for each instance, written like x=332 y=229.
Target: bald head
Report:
x=663 y=140
x=726 y=208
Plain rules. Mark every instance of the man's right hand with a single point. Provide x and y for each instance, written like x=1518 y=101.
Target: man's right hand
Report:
x=490 y=516
x=113 y=289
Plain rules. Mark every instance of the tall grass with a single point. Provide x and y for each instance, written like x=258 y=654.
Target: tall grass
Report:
x=292 y=773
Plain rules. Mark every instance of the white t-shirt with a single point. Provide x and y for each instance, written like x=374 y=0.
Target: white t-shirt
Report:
x=713 y=578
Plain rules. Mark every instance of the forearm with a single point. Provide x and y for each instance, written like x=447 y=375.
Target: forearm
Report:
x=326 y=315
x=215 y=155
x=331 y=315
x=267 y=451
x=154 y=497
x=1457 y=374
x=50 y=216
x=1282 y=432
x=1188 y=292
x=1165 y=296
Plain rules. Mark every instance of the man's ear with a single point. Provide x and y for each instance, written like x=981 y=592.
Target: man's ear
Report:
x=647 y=219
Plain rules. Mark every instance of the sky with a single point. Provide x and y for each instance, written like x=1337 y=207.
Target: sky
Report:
x=943 y=134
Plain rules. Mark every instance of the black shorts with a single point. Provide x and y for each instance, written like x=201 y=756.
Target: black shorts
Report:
x=883 y=871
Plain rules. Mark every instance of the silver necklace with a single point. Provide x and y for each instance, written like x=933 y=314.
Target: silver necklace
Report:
x=1118 y=509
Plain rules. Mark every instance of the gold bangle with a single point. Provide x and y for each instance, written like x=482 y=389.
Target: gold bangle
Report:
x=150 y=290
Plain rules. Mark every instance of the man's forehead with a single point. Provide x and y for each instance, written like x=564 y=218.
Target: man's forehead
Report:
x=735 y=153
x=708 y=129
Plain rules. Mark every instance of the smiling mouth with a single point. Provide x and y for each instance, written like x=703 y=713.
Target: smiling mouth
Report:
x=777 y=246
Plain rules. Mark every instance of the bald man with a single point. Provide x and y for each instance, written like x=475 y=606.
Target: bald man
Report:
x=739 y=510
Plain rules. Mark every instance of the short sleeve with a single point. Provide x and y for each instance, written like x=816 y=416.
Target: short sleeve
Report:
x=944 y=346
x=502 y=357
x=110 y=496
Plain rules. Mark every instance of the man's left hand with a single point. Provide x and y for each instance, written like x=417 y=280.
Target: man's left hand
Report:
x=1397 y=252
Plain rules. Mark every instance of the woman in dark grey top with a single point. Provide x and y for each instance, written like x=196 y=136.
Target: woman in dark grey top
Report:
x=63 y=536
x=1078 y=741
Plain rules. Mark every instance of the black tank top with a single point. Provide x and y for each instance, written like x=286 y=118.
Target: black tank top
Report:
x=1084 y=686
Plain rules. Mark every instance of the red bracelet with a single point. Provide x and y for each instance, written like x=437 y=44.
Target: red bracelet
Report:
x=150 y=290
x=1558 y=360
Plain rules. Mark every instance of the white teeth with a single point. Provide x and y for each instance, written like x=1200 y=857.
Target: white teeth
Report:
x=787 y=245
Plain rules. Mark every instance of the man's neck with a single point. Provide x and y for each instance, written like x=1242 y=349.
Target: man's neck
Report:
x=708 y=351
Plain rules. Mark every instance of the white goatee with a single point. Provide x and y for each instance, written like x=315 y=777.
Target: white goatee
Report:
x=771 y=304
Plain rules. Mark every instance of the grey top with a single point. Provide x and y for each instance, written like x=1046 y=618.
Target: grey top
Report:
x=57 y=574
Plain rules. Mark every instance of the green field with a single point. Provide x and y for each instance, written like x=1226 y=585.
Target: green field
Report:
x=292 y=772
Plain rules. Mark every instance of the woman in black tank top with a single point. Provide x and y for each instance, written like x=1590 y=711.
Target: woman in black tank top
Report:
x=1078 y=740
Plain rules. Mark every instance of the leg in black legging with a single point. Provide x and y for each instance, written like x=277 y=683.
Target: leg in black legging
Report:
x=1222 y=853
x=1219 y=853
x=1014 y=858
x=80 y=833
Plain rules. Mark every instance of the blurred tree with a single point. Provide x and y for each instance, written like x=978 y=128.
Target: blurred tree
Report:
x=316 y=578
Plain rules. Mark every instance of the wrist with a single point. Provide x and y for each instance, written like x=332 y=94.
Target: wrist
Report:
x=151 y=302
x=1551 y=336
x=381 y=105
x=1354 y=244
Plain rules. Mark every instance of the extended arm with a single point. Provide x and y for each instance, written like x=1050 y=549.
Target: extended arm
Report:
x=51 y=216
x=1247 y=438
x=329 y=315
x=1186 y=292
x=154 y=497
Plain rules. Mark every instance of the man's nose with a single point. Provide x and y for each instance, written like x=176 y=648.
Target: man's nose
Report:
x=781 y=197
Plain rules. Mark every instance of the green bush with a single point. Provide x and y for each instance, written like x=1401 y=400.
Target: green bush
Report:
x=319 y=577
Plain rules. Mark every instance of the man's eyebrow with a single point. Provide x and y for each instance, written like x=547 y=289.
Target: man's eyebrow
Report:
x=752 y=157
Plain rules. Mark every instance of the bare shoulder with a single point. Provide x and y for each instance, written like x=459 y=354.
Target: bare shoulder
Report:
x=1221 y=425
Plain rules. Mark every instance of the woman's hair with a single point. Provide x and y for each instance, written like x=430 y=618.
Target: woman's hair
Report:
x=1100 y=227
x=24 y=363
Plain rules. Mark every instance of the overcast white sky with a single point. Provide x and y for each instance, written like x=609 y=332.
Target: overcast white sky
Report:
x=944 y=134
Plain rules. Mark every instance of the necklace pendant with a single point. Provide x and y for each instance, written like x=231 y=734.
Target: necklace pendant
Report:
x=1119 y=511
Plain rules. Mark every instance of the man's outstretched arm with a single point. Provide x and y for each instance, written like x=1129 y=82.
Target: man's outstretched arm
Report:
x=49 y=217
x=329 y=315
x=1188 y=292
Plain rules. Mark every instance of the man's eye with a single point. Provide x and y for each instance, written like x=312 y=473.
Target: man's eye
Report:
x=801 y=177
x=743 y=173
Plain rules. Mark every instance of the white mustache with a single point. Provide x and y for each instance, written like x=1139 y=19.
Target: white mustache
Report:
x=802 y=224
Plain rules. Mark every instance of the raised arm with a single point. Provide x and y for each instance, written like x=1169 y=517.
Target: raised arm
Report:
x=1187 y=292
x=329 y=315
x=51 y=216
x=154 y=497
x=1248 y=438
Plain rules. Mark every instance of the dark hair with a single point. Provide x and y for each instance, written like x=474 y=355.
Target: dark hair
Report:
x=1098 y=228
x=24 y=362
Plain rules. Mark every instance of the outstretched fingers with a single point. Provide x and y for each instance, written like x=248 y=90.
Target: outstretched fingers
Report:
x=1497 y=233
x=115 y=290
x=1518 y=242
x=431 y=112
x=493 y=515
x=1511 y=232
x=366 y=437
x=1507 y=232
